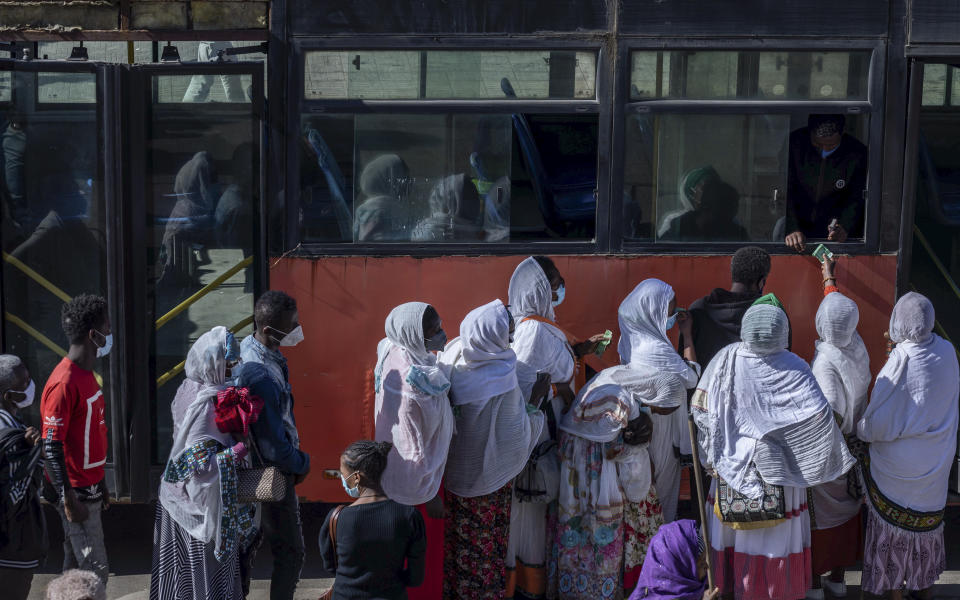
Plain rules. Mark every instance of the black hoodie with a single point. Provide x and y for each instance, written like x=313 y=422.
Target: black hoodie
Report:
x=716 y=322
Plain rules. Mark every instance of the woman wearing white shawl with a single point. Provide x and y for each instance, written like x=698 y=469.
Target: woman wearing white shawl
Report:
x=911 y=425
x=413 y=413
x=645 y=316
x=607 y=508
x=496 y=431
x=536 y=287
x=841 y=366
x=200 y=527
x=764 y=420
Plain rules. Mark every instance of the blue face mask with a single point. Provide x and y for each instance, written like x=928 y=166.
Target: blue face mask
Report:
x=826 y=153
x=671 y=321
x=561 y=292
x=353 y=492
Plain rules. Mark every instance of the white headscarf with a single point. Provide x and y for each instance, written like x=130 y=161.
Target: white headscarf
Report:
x=911 y=421
x=530 y=292
x=912 y=319
x=841 y=363
x=764 y=417
x=643 y=331
x=195 y=504
x=486 y=365
x=412 y=408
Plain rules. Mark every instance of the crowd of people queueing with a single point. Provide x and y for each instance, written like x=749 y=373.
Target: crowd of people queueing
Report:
x=549 y=480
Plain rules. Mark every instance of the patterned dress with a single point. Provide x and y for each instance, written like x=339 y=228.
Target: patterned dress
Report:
x=476 y=545
x=600 y=534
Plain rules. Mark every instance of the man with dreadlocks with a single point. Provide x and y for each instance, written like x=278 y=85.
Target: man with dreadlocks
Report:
x=826 y=181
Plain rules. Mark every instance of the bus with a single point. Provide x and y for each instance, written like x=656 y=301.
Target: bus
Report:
x=358 y=155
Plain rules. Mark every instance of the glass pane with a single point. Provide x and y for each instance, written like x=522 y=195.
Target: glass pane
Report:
x=66 y=88
x=205 y=52
x=748 y=74
x=698 y=177
x=934 y=85
x=202 y=210
x=53 y=227
x=6 y=86
x=209 y=88
x=448 y=75
x=447 y=178
x=108 y=52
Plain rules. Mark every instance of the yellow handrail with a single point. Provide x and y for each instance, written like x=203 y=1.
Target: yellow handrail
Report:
x=176 y=310
x=50 y=344
x=176 y=370
x=936 y=261
x=37 y=277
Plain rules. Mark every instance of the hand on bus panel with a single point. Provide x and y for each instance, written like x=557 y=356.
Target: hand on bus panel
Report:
x=797 y=241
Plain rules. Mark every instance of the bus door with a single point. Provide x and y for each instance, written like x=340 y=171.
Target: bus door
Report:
x=55 y=205
x=196 y=230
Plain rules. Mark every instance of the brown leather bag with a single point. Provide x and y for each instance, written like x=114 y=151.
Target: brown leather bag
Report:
x=334 y=516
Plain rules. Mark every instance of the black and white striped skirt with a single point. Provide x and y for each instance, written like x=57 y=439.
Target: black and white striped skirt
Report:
x=185 y=568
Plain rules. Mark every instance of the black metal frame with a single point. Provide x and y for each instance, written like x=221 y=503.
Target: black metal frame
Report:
x=872 y=106
x=298 y=105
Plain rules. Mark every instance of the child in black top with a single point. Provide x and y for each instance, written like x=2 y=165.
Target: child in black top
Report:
x=381 y=544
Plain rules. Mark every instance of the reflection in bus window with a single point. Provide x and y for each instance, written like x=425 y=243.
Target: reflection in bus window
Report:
x=730 y=177
x=447 y=178
x=748 y=74
x=52 y=225
x=201 y=213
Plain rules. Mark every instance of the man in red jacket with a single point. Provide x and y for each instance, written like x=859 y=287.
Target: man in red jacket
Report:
x=75 y=434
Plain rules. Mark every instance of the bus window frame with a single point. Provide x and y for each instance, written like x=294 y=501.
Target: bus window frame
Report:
x=298 y=105
x=874 y=106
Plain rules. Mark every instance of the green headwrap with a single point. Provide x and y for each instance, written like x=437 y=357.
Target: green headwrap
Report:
x=770 y=299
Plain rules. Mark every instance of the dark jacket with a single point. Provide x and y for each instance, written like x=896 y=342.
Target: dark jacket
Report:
x=23 y=528
x=716 y=322
x=822 y=189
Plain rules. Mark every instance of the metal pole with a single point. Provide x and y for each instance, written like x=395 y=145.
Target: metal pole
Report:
x=701 y=497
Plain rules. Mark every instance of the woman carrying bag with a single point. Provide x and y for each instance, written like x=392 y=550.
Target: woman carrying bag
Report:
x=376 y=547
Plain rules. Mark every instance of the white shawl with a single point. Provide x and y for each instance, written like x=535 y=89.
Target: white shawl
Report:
x=540 y=347
x=496 y=431
x=763 y=416
x=643 y=331
x=604 y=407
x=911 y=421
x=412 y=409
x=195 y=504
x=841 y=363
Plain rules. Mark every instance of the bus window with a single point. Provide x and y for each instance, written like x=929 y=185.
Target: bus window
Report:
x=450 y=75
x=740 y=177
x=392 y=178
x=753 y=75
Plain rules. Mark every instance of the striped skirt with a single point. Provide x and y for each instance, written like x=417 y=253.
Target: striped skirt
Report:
x=773 y=563
x=185 y=569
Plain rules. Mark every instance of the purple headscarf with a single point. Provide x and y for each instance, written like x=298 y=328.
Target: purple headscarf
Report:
x=670 y=568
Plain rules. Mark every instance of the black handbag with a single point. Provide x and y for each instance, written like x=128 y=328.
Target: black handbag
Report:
x=734 y=507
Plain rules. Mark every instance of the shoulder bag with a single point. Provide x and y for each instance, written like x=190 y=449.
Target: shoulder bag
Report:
x=260 y=484
x=334 y=517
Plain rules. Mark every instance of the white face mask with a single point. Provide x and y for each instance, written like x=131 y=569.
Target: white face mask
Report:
x=28 y=397
x=107 y=344
x=290 y=339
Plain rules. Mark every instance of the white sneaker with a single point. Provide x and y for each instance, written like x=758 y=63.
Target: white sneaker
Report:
x=815 y=594
x=837 y=590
